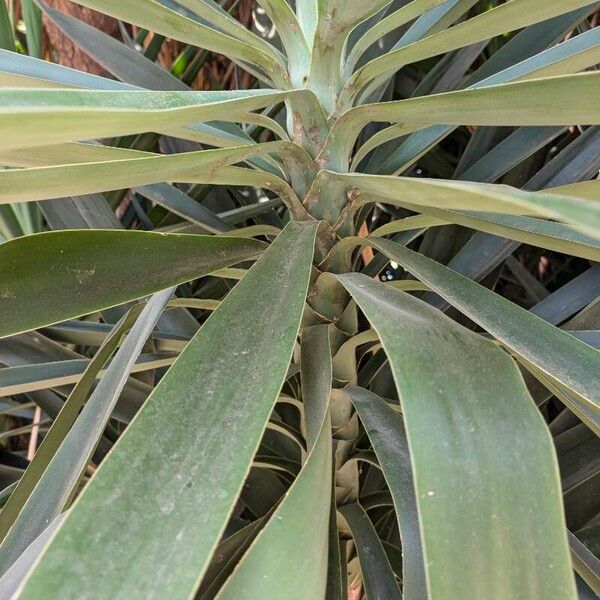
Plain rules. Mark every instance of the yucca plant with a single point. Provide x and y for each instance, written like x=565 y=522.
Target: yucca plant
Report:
x=309 y=359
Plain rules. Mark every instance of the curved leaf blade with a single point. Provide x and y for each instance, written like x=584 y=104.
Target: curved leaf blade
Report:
x=44 y=491
x=160 y=501
x=86 y=271
x=387 y=434
x=290 y=553
x=34 y=117
x=378 y=577
x=480 y=452
x=559 y=355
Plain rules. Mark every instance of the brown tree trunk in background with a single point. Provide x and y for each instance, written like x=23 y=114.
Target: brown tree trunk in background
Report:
x=65 y=51
x=216 y=73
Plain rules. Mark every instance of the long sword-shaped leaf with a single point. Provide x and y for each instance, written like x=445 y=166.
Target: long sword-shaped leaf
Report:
x=121 y=60
x=480 y=453
x=22 y=71
x=10 y=581
x=589 y=190
x=378 y=577
x=387 y=434
x=556 y=100
x=17 y=67
x=60 y=427
x=204 y=166
x=469 y=196
x=509 y=153
x=33 y=23
x=394 y=20
x=483 y=106
x=308 y=16
x=533 y=41
x=437 y=19
x=292 y=37
x=179 y=203
x=79 y=272
x=168 y=196
x=37 y=117
x=316 y=372
x=290 y=553
x=160 y=19
x=211 y=11
x=512 y=15
x=30 y=378
x=559 y=355
x=69 y=153
x=160 y=501
x=586 y=563
x=7 y=39
x=537 y=232
x=564 y=58
x=62 y=471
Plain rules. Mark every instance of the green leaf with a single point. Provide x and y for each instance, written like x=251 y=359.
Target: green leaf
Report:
x=586 y=190
x=564 y=102
x=170 y=490
x=226 y=556
x=151 y=15
x=308 y=16
x=509 y=153
x=386 y=432
x=221 y=19
x=517 y=59
x=121 y=60
x=469 y=196
x=316 y=376
x=10 y=581
x=515 y=14
x=292 y=38
x=41 y=183
x=29 y=378
x=204 y=166
x=69 y=153
x=179 y=203
x=560 y=356
x=537 y=232
x=62 y=424
x=585 y=563
x=290 y=553
x=393 y=21
x=53 y=474
x=7 y=39
x=37 y=117
x=22 y=71
x=378 y=577
x=18 y=70
x=33 y=23
x=435 y=20
x=533 y=41
x=481 y=455
x=87 y=271
x=349 y=15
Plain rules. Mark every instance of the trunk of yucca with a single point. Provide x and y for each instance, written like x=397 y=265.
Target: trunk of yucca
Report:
x=328 y=303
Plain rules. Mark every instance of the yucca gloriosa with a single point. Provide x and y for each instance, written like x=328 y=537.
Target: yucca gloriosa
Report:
x=323 y=434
